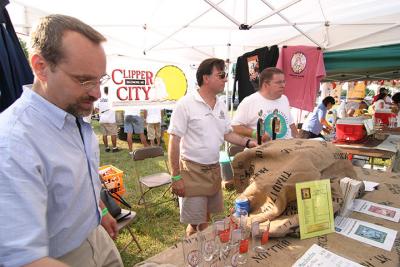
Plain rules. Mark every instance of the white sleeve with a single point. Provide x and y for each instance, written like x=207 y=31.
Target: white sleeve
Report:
x=179 y=120
x=241 y=116
x=228 y=126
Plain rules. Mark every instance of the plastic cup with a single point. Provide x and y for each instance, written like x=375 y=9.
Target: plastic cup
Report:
x=207 y=244
x=259 y=235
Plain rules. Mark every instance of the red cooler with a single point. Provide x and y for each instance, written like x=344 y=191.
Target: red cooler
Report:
x=350 y=129
x=384 y=115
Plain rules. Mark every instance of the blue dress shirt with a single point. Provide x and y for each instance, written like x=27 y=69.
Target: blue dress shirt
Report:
x=313 y=122
x=49 y=181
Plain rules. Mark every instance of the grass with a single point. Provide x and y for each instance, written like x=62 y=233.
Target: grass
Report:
x=157 y=229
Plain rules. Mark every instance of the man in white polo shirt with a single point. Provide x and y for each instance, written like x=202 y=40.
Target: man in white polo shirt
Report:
x=199 y=125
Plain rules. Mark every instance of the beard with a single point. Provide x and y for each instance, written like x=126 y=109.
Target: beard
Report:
x=78 y=110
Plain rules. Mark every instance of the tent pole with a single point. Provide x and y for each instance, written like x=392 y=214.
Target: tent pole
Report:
x=227 y=101
x=220 y=10
x=294 y=26
x=245 y=11
x=274 y=12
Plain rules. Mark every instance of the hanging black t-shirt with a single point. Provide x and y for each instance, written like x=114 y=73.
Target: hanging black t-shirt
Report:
x=248 y=68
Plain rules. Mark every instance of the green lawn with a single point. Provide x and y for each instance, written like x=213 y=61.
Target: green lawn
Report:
x=157 y=229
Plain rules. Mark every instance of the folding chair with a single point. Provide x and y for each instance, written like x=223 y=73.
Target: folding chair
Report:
x=148 y=182
x=125 y=224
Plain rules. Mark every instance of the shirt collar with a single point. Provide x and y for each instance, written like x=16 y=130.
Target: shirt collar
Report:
x=54 y=114
x=322 y=106
x=198 y=98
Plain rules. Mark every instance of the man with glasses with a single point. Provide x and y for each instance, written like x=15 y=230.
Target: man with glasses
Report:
x=199 y=125
x=268 y=104
x=51 y=213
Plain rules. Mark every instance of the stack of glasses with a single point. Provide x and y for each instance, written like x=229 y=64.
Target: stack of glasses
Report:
x=227 y=241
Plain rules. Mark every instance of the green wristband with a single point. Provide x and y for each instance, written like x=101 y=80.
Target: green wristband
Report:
x=176 y=178
x=254 y=134
x=104 y=212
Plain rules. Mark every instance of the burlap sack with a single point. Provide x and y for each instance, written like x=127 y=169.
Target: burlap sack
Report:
x=200 y=179
x=267 y=176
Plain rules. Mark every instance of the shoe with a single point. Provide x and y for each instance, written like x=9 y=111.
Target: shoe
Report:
x=115 y=149
x=131 y=153
x=107 y=149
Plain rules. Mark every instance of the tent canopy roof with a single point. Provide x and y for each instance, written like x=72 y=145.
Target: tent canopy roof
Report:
x=374 y=63
x=188 y=31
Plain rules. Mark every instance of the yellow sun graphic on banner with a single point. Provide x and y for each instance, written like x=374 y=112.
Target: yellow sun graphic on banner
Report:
x=173 y=80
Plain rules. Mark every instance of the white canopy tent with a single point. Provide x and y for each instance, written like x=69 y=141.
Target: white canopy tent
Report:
x=187 y=31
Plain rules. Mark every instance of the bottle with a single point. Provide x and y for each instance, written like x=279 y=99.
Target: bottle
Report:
x=260 y=130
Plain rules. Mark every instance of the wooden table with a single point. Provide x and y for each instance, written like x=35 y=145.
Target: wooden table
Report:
x=285 y=251
x=368 y=150
x=394 y=131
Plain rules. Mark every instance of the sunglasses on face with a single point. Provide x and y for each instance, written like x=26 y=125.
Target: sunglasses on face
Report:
x=222 y=74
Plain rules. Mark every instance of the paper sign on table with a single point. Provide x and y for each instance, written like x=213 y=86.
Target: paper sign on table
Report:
x=315 y=209
x=370 y=186
x=317 y=256
x=372 y=234
x=377 y=210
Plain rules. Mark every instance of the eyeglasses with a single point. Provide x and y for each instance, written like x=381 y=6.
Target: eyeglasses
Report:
x=88 y=84
x=222 y=75
x=279 y=82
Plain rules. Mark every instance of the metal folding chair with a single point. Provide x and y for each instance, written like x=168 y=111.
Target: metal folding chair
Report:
x=125 y=224
x=151 y=181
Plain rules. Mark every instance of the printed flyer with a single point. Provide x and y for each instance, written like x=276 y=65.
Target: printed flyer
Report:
x=368 y=233
x=376 y=210
x=315 y=209
x=317 y=256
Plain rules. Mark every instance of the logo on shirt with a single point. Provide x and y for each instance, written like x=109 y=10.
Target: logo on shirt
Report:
x=222 y=115
x=298 y=62
x=278 y=121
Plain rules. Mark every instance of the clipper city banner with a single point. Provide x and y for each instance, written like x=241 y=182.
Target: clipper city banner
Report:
x=139 y=84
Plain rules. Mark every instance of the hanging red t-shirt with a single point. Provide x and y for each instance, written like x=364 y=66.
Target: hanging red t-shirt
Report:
x=304 y=68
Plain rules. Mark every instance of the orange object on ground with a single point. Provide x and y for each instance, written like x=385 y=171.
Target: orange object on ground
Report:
x=112 y=178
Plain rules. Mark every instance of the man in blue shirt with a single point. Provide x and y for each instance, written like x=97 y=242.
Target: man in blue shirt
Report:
x=50 y=207
x=315 y=121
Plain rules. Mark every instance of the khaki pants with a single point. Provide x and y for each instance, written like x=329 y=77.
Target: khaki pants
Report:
x=97 y=250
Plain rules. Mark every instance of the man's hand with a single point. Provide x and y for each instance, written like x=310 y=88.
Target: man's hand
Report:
x=265 y=137
x=252 y=143
x=178 y=188
x=110 y=224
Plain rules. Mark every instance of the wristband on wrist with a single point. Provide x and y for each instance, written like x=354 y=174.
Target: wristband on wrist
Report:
x=176 y=178
x=104 y=212
x=247 y=143
x=254 y=134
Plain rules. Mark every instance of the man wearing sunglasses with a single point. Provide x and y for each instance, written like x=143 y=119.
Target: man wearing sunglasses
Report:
x=268 y=104
x=199 y=125
x=51 y=213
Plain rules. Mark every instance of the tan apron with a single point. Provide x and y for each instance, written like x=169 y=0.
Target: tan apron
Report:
x=200 y=179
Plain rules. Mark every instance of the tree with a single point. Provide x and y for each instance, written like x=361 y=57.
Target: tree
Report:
x=24 y=48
